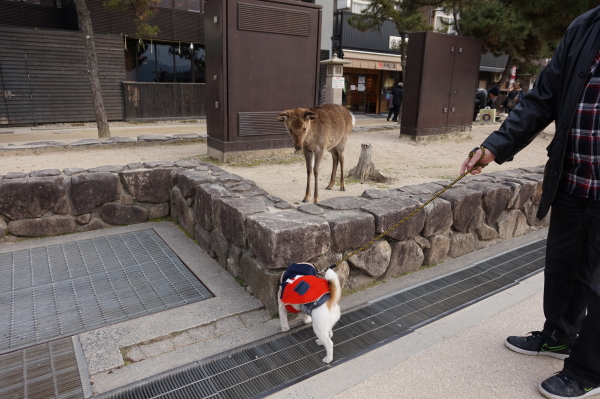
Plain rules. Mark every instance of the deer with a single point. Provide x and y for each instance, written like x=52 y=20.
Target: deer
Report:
x=324 y=127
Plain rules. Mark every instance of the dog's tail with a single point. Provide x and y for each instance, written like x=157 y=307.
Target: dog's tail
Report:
x=335 y=288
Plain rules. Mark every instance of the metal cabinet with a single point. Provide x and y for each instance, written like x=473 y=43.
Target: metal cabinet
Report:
x=262 y=57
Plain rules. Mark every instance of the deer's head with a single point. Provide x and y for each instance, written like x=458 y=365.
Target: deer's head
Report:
x=297 y=121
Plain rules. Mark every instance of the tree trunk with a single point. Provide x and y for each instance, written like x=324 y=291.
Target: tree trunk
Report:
x=85 y=25
x=365 y=170
x=506 y=73
x=456 y=23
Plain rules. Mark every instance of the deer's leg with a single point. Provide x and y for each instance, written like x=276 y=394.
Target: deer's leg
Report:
x=318 y=158
x=342 y=181
x=310 y=157
x=336 y=159
x=340 y=151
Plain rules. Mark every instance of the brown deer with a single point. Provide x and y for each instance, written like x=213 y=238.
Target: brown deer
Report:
x=315 y=130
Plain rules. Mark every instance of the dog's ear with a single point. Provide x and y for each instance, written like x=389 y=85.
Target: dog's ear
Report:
x=282 y=116
x=310 y=115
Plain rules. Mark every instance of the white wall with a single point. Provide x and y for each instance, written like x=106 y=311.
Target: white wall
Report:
x=327 y=28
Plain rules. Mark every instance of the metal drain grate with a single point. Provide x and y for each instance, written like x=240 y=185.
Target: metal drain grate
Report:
x=41 y=372
x=60 y=290
x=259 y=369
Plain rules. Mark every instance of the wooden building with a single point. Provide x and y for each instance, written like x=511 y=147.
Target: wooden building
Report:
x=43 y=72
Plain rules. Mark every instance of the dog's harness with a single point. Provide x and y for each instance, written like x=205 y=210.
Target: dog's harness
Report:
x=301 y=286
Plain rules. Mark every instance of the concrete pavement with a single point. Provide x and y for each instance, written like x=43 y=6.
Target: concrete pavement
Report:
x=69 y=133
x=459 y=356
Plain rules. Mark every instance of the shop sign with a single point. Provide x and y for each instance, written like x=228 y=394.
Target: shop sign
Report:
x=337 y=83
x=361 y=79
x=387 y=65
x=361 y=87
x=353 y=87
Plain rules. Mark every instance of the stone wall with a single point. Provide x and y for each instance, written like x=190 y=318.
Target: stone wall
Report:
x=255 y=235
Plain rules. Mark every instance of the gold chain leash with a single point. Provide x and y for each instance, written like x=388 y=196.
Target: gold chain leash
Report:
x=478 y=164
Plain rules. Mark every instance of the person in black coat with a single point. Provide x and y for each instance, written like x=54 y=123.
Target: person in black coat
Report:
x=485 y=98
x=398 y=93
x=513 y=98
x=566 y=93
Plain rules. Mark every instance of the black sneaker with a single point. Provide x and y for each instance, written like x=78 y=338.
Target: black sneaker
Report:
x=560 y=386
x=538 y=343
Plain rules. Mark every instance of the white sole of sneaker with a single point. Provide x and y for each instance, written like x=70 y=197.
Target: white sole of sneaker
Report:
x=532 y=353
x=546 y=394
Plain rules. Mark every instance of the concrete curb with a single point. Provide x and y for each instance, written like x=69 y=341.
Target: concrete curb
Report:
x=85 y=144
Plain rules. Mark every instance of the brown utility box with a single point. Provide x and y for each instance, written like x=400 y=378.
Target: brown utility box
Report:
x=440 y=83
x=262 y=57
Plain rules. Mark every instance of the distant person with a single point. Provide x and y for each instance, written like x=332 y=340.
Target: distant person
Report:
x=388 y=98
x=485 y=99
x=567 y=94
x=513 y=98
x=398 y=93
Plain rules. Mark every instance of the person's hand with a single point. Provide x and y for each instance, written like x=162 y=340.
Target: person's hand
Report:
x=501 y=106
x=470 y=162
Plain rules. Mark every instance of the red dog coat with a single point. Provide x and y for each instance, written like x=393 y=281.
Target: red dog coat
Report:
x=300 y=285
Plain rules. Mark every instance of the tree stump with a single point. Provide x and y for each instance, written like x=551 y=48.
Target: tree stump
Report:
x=365 y=170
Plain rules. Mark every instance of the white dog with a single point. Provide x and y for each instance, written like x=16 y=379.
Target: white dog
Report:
x=301 y=291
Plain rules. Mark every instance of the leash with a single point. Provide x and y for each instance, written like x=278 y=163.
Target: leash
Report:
x=478 y=164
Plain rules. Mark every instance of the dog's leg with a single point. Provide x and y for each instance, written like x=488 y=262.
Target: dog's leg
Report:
x=306 y=319
x=282 y=313
x=336 y=313
x=322 y=326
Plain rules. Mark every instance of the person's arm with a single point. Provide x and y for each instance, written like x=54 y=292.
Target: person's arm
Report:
x=533 y=113
x=468 y=163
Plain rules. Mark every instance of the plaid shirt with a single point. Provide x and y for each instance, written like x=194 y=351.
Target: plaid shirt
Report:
x=581 y=167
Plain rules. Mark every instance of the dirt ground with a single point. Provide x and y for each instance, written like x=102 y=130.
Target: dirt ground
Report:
x=402 y=159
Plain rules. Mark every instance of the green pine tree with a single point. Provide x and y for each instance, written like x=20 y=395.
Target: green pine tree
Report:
x=403 y=13
x=142 y=12
x=504 y=29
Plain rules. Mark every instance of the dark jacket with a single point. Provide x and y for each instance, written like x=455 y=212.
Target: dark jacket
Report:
x=482 y=99
x=554 y=98
x=398 y=92
x=512 y=94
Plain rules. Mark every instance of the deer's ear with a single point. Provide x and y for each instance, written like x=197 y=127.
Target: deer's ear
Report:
x=310 y=115
x=282 y=116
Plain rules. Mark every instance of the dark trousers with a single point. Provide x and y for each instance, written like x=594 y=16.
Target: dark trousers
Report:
x=390 y=113
x=396 y=112
x=572 y=283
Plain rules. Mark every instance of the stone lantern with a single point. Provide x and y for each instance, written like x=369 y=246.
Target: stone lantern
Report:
x=335 y=79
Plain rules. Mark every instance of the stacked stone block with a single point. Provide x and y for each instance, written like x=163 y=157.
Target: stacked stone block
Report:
x=255 y=236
